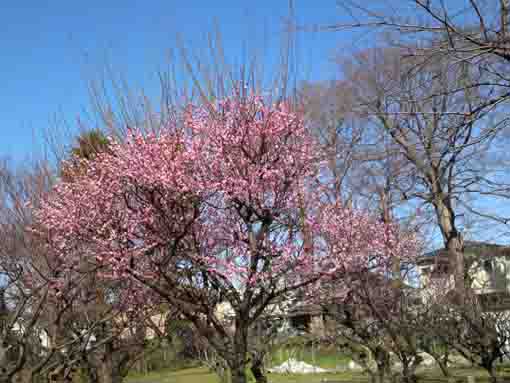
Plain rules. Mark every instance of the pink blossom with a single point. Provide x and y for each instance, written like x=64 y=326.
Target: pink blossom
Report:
x=232 y=198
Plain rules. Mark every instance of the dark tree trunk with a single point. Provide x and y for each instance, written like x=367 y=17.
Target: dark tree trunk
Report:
x=443 y=367
x=492 y=373
x=408 y=372
x=88 y=368
x=108 y=371
x=238 y=361
x=57 y=375
x=381 y=374
x=452 y=239
x=237 y=372
x=257 y=368
x=382 y=359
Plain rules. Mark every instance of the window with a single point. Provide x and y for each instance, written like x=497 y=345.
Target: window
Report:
x=487 y=265
x=496 y=272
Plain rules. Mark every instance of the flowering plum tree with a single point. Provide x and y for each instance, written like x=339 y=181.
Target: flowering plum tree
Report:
x=225 y=207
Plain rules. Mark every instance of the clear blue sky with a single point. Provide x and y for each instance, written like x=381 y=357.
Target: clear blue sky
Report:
x=50 y=48
x=47 y=46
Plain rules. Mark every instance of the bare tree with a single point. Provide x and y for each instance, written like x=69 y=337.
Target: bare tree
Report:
x=441 y=146
x=29 y=313
x=472 y=328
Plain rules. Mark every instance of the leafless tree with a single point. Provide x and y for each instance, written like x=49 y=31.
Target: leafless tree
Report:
x=378 y=321
x=27 y=270
x=473 y=329
x=439 y=146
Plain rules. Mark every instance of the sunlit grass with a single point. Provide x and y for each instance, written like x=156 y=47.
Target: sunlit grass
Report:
x=203 y=375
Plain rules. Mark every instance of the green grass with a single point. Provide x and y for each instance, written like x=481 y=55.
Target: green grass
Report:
x=202 y=375
x=322 y=356
x=189 y=375
x=481 y=375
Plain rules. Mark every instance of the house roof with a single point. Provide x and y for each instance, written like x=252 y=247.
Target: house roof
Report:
x=471 y=249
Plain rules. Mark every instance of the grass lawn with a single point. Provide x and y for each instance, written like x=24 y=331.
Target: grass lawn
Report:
x=202 y=375
x=323 y=356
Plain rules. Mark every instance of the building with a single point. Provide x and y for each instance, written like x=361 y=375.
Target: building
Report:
x=487 y=269
x=293 y=316
x=307 y=319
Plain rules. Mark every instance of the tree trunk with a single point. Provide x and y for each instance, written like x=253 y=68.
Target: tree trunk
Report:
x=380 y=376
x=492 y=373
x=453 y=241
x=408 y=372
x=108 y=371
x=383 y=362
x=443 y=367
x=237 y=373
x=104 y=373
x=90 y=370
x=237 y=362
x=257 y=368
x=57 y=374
x=456 y=251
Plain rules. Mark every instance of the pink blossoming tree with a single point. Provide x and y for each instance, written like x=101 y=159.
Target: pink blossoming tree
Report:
x=225 y=207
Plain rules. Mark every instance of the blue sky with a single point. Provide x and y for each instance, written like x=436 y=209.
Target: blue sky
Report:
x=50 y=48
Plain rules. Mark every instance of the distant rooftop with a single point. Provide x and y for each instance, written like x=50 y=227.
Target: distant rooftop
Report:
x=472 y=249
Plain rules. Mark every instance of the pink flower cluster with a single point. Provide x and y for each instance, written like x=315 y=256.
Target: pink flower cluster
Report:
x=231 y=194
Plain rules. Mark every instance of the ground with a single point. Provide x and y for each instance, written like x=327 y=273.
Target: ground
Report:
x=323 y=356
x=202 y=375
